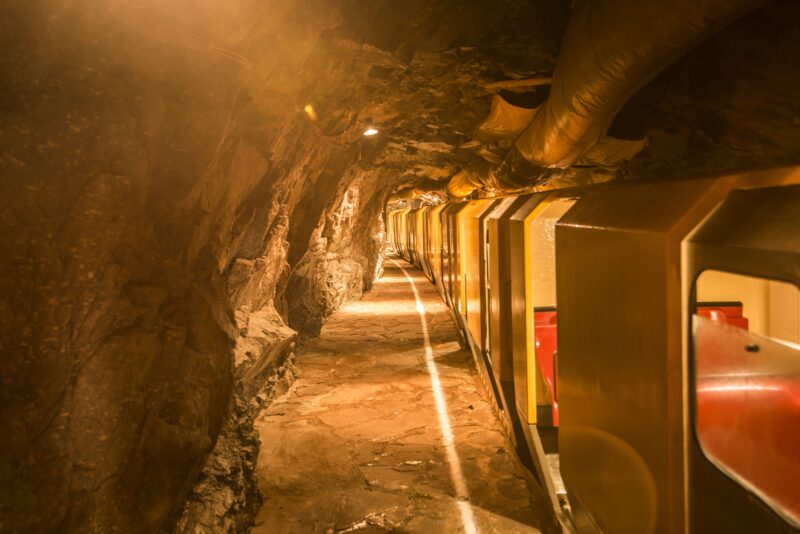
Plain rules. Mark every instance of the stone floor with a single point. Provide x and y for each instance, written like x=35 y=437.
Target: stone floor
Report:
x=357 y=444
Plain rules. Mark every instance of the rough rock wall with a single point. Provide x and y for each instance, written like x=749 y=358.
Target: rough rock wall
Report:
x=116 y=341
x=342 y=258
x=730 y=104
x=171 y=214
x=146 y=206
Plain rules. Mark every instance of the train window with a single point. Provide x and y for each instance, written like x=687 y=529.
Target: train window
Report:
x=746 y=340
x=542 y=322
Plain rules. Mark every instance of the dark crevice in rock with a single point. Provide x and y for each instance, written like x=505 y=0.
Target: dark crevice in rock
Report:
x=226 y=496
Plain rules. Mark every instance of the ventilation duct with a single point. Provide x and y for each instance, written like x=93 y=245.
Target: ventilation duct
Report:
x=429 y=186
x=468 y=179
x=611 y=49
x=505 y=120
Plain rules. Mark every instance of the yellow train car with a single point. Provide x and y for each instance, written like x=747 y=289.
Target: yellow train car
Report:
x=499 y=295
x=398 y=232
x=743 y=374
x=623 y=331
x=641 y=339
x=419 y=239
x=434 y=241
x=472 y=248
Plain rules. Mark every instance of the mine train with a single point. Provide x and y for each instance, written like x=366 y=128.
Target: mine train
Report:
x=641 y=341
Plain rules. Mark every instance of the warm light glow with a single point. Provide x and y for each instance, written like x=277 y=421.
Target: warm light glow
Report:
x=370 y=131
x=389 y=280
x=372 y=308
x=309 y=109
x=737 y=387
x=448 y=439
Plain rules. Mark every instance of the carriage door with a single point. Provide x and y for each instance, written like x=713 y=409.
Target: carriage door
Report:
x=744 y=365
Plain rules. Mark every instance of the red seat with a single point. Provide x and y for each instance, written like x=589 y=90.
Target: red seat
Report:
x=724 y=312
x=545 y=322
x=748 y=407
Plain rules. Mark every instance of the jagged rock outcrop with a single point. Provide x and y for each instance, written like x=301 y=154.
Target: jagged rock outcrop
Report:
x=180 y=185
x=226 y=497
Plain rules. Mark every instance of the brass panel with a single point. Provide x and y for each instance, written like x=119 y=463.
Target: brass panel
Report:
x=753 y=232
x=445 y=254
x=485 y=288
x=540 y=290
x=411 y=236
x=404 y=226
x=621 y=371
x=619 y=362
x=429 y=240
x=518 y=304
x=407 y=233
x=530 y=389
x=435 y=244
x=422 y=240
x=419 y=238
x=500 y=293
x=471 y=267
x=450 y=263
x=401 y=230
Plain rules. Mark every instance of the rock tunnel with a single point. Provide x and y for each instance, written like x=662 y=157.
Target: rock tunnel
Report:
x=192 y=192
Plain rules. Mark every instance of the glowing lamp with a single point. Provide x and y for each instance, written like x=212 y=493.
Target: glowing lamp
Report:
x=312 y=114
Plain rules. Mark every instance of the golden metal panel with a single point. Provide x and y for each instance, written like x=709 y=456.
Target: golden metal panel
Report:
x=470 y=240
x=753 y=232
x=529 y=384
x=519 y=305
x=536 y=393
x=485 y=288
x=419 y=238
x=420 y=241
x=500 y=297
x=450 y=263
x=400 y=232
x=436 y=244
x=621 y=361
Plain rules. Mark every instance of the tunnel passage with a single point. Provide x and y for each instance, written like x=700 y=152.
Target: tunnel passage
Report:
x=375 y=433
x=187 y=192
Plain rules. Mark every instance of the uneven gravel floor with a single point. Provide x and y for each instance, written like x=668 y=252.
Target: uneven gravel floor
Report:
x=356 y=445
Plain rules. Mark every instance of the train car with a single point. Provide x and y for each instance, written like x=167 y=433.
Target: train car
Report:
x=399 y=229
x=411 y=236
x=499 y=295
x=425 y=224
x=419 y=238
x=622 y=347
x=646 y=338
x=473 y=246
x=744 y=363
x=450 y=264
x=435 y=245
x=534 y=307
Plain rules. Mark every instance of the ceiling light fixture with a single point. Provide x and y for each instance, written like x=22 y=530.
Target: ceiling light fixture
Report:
x=370 y=131
x=312 y=114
